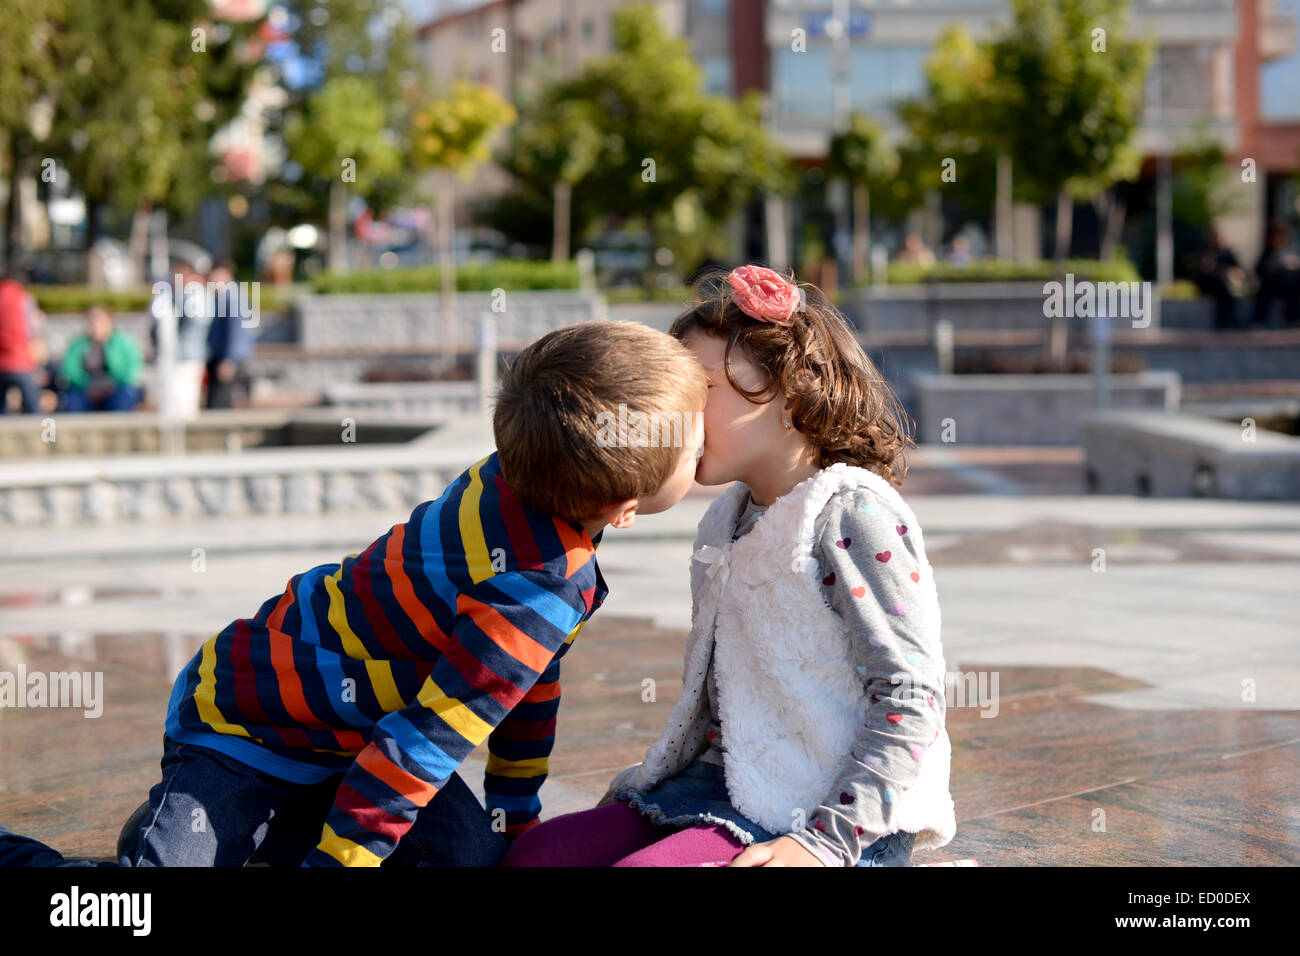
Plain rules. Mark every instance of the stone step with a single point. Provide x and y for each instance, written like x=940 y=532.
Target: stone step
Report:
x=337 y=475
x=1186 y=456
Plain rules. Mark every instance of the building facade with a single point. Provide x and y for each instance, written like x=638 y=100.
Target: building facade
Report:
x=1210 y=56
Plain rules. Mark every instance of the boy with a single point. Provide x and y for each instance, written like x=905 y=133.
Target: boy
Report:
x=367 y=683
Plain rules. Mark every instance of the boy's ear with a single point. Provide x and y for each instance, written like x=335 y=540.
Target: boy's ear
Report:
x=623 y=514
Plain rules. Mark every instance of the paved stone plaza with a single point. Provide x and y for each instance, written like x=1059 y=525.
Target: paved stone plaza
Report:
x=1118 y=690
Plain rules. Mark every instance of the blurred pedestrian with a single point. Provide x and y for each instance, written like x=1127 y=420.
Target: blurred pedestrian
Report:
x=1220 y=276
x=230 y=342
x=180 y=336
x=102 y=368
x=916 y=251
x=959 y=252
x=1278 y=270
x=20 y=322
x=47 y=377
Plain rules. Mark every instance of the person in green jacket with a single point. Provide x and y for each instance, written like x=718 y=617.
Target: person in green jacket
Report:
x=102 y=368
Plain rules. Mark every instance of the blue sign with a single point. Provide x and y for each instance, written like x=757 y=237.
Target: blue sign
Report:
x=859 y=23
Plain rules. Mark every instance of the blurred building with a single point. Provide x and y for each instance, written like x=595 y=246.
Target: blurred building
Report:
x=516 y=45
x=1214 y=63
x=1267 y=79
x=1206 y=75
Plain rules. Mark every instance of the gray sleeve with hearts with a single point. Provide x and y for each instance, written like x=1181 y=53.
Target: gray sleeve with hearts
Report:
x=867 y=561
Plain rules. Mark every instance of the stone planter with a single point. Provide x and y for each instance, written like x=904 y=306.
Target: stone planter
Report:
x=1185 y=456
x=414 y=319
x=969 y=306
x=1027 y=409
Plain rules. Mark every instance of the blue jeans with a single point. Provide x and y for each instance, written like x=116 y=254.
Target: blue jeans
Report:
x=124 y=398
x=31 y=394
x=212 y=810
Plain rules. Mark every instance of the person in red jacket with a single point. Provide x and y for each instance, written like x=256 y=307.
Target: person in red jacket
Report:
x=18 y=319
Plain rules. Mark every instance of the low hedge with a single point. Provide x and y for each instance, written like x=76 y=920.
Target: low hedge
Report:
x=622 y=294
x=63 y=299
x=1181 y=290
x=508 y=274
x=1097 y=270
x=527 y=274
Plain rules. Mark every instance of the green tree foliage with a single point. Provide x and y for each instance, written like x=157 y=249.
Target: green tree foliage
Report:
x=344 y=119
x=455 y=131
x=961 y=117
x=1071 y=80
x=369 y=41
x=666 y=155
x=1204 y=184
x=136 y=121
x=453 y=135
x=862 y=156
x=340 y=137
x=124 y=96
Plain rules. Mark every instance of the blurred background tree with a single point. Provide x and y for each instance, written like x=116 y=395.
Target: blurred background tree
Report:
x=862 y=156
x=367 y=44
x=1203 y=186
x=30 y=89
x=123 y=98
x=667 y=158
x=452 y=136
x=558 y=143
x=341 y=137
x=962 y=117
x=1072 y=80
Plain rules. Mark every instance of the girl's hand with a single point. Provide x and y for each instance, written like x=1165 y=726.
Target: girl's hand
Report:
x=783 y=851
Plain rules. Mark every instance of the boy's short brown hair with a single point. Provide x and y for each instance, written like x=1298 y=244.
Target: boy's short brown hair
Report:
x=556 y=401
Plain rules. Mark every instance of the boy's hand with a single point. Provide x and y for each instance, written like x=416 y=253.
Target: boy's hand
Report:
x=783 y=851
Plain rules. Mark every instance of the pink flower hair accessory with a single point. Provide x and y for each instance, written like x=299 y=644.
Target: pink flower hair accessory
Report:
x=766 y=295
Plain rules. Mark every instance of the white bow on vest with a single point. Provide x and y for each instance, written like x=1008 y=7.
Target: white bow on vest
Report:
x=790 y=701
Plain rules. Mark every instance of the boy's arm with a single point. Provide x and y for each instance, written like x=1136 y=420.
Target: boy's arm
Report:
x=518 y=752
x=507 y=631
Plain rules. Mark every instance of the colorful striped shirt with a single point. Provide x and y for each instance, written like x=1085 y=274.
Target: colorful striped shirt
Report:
x=393 y=665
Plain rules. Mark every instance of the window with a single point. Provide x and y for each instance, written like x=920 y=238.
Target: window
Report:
x=717 y=74
x=879 y=76
x=802 y=82
x=1280 y=79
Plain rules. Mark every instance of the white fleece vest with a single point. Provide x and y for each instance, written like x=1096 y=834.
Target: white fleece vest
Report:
x=790 y=701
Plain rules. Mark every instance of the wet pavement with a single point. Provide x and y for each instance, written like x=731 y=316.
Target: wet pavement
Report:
x=1140 y=705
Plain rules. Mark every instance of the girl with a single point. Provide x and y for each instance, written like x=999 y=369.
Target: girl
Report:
x=810 y=728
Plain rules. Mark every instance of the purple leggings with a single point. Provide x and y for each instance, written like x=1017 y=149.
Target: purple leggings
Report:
x=619 y=835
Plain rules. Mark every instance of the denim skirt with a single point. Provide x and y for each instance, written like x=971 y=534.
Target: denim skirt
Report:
x=698 y=796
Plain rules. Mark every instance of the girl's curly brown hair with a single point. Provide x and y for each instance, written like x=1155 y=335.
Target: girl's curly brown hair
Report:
x=839 y=401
